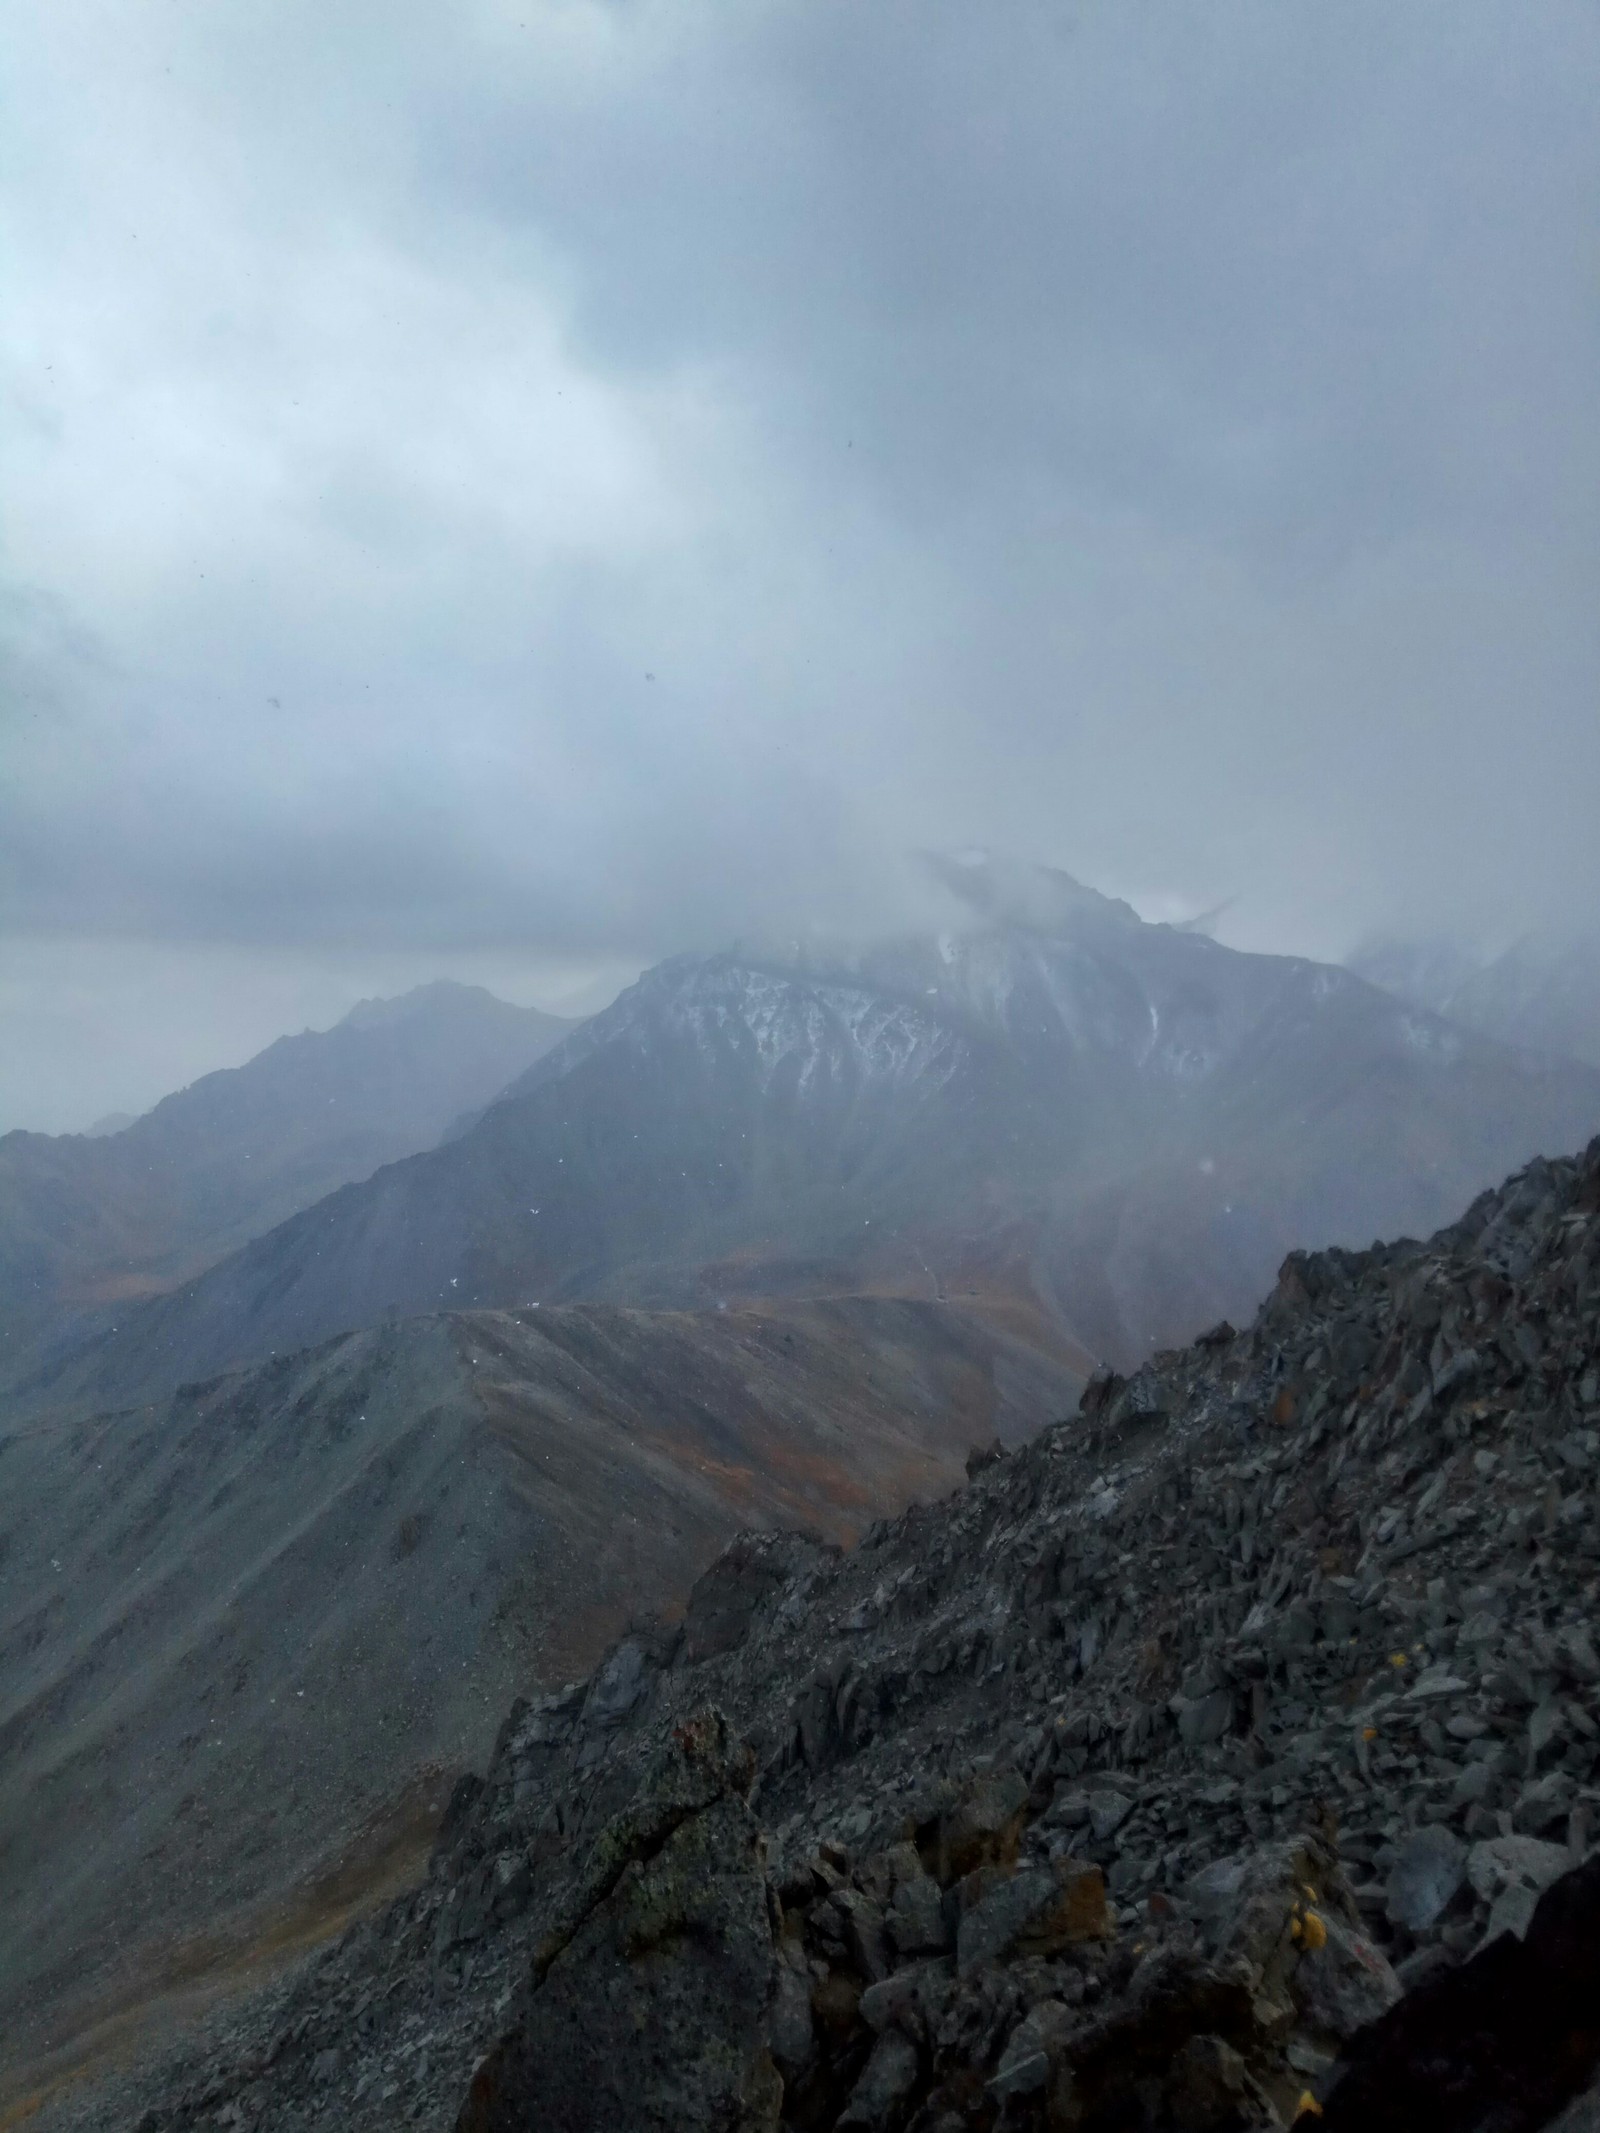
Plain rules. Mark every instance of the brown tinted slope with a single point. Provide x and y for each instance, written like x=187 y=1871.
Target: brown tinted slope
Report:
x=236 y=1626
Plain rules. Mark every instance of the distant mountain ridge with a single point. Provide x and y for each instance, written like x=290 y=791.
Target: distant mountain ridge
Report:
x=1128 y=1123
x=1541 y=991
x=87 y=1220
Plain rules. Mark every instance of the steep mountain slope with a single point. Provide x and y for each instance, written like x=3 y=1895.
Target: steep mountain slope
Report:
x=1129 y=1122
x=95 y=1219
x=1131 y=1787
x=1540 y=992
x=248 y=1627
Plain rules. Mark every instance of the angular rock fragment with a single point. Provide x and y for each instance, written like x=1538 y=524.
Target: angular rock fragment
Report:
x=1499 y=2045
x=650 y=1998
x=1035 y=1911
x=1206 y=2087
x=1429 y=1868
x=1343 y=1983
x=982 y=1829
x=886 y=2081
x=916 y=1923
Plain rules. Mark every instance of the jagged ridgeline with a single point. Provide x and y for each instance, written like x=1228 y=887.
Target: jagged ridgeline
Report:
x=1239 y=1732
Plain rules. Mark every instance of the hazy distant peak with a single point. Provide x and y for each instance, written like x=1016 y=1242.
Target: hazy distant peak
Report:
x=1541 y=991
x=439 y=993
x=113 y=1122
x=135 y=1205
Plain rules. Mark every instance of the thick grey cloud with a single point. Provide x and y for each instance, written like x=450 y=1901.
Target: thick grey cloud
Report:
x=563 y=481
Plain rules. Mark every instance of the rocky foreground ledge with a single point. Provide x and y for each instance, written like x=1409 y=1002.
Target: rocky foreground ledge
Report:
x=1227 y=1755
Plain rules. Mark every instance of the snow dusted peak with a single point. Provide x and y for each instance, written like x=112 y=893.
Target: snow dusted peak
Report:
x=1098 y=998
x=809 y=1028
x=1041 y=994
x=783 y=1021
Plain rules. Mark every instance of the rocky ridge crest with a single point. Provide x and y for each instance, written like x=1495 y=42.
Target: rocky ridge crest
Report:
x=1129 y=1787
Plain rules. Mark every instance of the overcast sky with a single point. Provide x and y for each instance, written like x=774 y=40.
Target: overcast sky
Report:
x=517 y=489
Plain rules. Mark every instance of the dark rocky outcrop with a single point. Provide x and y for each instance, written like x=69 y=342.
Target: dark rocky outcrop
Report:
x=1498 y=2046
x=650 y=1984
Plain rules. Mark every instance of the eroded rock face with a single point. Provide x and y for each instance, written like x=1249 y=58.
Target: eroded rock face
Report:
x=653 y=1984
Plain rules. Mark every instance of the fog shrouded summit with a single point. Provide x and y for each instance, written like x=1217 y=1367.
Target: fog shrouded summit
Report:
x=576 y=484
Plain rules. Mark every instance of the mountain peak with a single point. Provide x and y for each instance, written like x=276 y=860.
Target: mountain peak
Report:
x=439 y=995
x=112 y=1122
x=1541 y=991
x=1012 y=892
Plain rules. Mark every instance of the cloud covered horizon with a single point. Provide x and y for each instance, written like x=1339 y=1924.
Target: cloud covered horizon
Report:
x=541 y=487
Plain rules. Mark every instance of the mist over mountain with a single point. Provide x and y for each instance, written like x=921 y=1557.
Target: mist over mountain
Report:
x=1124 y=1125
x=1543 y=990
x=97 y=1219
